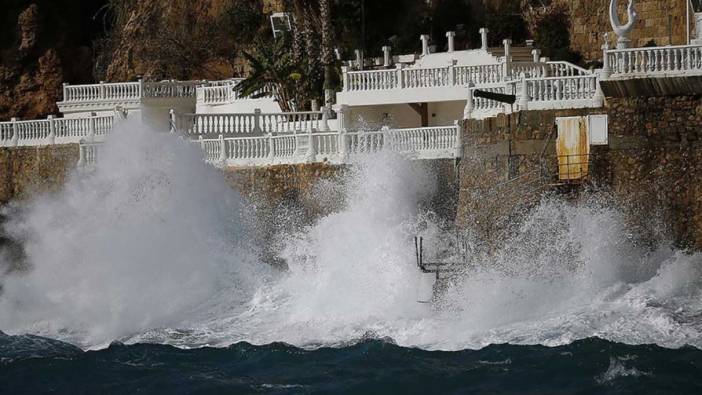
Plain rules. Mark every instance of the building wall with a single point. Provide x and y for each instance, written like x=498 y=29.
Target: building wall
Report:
x=662 y=21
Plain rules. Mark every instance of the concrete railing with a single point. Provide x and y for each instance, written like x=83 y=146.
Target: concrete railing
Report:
x=54 y=131
x=224 y=92
x=193 y=125
x=128 y=91
x=561 y=92
x=653 y=61
x=334 y=147
x=452 y=76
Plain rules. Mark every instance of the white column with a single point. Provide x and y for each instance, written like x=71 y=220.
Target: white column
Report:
x=222 y=150
x=468 y=110
x=15 y=133
x=345 y=74
x=359 y=59
x=484 y=38
x=52 y=130
x=536 y=54
x=598 y=99
x=257 y=121
x=451 y=41
x=606 y=67
x=459 y=140
x=387 y=56
x=400 y=81
x=91 y=128
x=508 y=58
x=271 y=148
x=311 y=151
x=65 y=91
x=524 y=99
x=81 y=153
x=698 y=29
x=452 y=72
x=425 y=44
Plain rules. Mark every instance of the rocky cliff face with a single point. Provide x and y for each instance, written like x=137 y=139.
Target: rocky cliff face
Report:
x=42 y=44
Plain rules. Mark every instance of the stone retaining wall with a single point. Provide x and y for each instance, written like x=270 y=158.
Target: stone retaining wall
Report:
x=652 y=166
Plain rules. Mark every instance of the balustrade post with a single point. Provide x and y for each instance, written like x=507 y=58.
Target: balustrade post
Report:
x=400 y=81
x=387 y=56
x=508 y=58
x=468 y=110
x=458 y=153
x=484 y=38
x=606 y=66
x=15 y=133
x=52 y=130
x=102 y=90
x=222 y=150
x=425 y=44
x=345 y=74
x=451 y=41
x=536 y=55
x=257 y=121
x=359 y=59
x=452 y=72
x=524 y=98
x=598 y=99
x=326 y=111
x=311 y=149
x=81 y=153
x=271 y=148
x=91 y=128
x=141 y=88
x=65 y=92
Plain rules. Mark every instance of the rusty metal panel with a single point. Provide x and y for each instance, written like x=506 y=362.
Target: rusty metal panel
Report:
x=572 y=148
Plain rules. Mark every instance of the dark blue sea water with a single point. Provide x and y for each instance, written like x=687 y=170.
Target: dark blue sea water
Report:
x=32 y=365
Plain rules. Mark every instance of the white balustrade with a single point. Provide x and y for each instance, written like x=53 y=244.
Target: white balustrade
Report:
x=269 y=149
x=371 y=80
x=251 y=123
x=483 y=74
x=655 y=61
x=169 y=89
x=561 y=92
x=128 y=91
x=53 y=131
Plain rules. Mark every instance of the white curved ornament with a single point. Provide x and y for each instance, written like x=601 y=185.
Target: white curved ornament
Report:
x=622 y=31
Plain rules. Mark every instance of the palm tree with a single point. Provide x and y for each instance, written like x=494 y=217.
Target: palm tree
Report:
x=273 y=71
x=327 y=55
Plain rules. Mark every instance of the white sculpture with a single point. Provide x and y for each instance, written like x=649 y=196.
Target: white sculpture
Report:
x=622 y=31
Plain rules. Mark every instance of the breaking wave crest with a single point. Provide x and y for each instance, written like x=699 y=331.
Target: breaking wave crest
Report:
x=154 y=247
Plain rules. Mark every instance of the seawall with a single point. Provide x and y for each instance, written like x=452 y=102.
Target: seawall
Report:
x=652 y=165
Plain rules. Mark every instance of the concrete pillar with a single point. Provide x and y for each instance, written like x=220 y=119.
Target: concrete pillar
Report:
x=52 y=130
x=468 y=110
x=15 y=133
x=387 y=56
x=524 y=98
x=484 y=38
x=536 y=53
x=345 y=77
x=400 y=80
x=222 y=150
x=359 y=59
x=459 y=140
x=606 y=66
x=698 y=29
x=91 y=129
x=451 y=41
x=508 y=58
x=257 y=121
x=425 y=44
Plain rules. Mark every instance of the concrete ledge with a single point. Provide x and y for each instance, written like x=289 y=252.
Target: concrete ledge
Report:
x=647 y=87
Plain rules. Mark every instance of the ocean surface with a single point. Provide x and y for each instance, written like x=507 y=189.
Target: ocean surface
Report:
x=33 y=365
x=151 y=275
